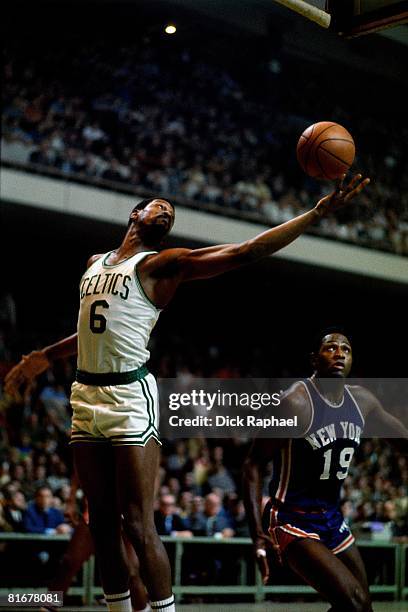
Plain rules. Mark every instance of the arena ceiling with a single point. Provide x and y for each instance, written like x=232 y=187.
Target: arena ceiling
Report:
x=197 y=18
x=380 y=54
x=255 y=15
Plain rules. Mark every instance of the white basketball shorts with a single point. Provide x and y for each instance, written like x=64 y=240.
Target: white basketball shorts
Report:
x=125 y=414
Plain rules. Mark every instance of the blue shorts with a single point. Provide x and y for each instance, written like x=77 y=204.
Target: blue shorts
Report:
x=286 y=525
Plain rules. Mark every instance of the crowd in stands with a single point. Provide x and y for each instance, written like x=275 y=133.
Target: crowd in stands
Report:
x=169 y=122
x=199 y=491
x=199 y=486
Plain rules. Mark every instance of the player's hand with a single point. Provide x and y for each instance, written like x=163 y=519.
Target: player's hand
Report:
x=23 y=374
x=262 y=545
x=343 y=194
x=63 y=528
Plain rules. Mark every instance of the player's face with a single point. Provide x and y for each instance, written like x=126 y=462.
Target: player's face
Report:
x=335 y=358
x=155 y=221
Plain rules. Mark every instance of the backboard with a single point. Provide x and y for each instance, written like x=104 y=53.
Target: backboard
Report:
x=357 y=17
x=351 y=18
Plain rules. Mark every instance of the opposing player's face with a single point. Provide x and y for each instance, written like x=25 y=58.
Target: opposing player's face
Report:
x=155 y=221
x=335 y=358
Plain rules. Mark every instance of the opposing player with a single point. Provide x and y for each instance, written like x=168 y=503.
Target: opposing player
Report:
x=114 y=398
x=302 y=522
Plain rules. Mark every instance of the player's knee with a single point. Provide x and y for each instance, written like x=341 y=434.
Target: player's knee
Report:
x=140 y=532
x=357 y=600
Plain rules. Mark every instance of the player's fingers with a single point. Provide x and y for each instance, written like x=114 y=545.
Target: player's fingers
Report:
x=355 y=179
x=18 y=376
x=12 y=389
x=263 y=568
x=265 y=571
x=8 y=386
x=11 y=373
x=13 y=379
x=364 y=183
x=8 y=381
x=340 y=183
x=357 y=189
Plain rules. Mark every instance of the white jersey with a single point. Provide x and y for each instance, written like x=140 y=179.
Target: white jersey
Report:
x=115 y=317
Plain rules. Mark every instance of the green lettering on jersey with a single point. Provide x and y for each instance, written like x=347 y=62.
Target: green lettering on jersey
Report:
x=124 y=294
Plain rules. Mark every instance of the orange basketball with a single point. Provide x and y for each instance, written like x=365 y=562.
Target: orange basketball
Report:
x=325 y=150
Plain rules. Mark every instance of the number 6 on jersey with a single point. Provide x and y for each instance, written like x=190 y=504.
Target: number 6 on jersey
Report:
x=97 y=322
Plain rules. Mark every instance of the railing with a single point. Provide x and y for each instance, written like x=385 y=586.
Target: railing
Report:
x=404 y=572
x=398 y=589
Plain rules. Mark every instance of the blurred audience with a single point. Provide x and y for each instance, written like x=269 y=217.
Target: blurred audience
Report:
x=167 y=521
x=168 y=121
x=42 y=517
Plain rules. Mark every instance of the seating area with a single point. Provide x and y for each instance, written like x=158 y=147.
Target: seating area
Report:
x=171 y=122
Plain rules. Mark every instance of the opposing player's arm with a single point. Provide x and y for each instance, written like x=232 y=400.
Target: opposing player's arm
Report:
x=35 y=363
x=92 y=260
x=70 y=513
x=293 y=403
x=260 y=454
x=379 y=422
x=254 y=467
x=178 y=265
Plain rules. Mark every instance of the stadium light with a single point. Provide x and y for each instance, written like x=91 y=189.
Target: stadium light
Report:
x=170 y=29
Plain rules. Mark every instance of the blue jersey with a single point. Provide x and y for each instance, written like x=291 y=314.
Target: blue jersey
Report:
x=308 y=472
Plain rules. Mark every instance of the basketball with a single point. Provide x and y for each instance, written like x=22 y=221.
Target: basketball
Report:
x=325 y=150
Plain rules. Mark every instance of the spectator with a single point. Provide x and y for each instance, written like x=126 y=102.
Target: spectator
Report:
x=14 y=511
x=40 y=476
x=213 y=520
x=4 y=525
x=167 y=521
x=236 y=513
x=218 y=475
x=397 y=526
x=41 y=517
x=177 y=461
x=186 y=504
x=5 y=476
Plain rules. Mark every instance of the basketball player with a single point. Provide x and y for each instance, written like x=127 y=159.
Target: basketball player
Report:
x=302 y=522
x=114 y=398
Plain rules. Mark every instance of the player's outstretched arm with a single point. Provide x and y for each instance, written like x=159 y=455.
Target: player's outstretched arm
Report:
x=379 y=422
x=183 y=264
x=36 y=362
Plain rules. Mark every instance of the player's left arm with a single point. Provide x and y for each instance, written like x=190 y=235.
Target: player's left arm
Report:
x=211 y=261
x=379 y=422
